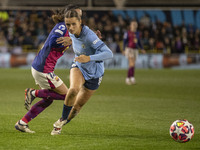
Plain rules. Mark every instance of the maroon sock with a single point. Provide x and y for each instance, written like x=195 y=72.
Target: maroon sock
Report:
x=46 y=94
x=36 y=109
x=129 y=73
x=133 y=69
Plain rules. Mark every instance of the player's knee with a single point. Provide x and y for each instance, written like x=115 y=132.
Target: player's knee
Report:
x=73 y=92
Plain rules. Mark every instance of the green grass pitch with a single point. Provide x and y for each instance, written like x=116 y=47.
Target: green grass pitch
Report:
x=117 y=117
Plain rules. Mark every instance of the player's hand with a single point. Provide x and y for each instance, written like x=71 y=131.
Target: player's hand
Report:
x=65 y=41
x=98 y=33
x=82 y=59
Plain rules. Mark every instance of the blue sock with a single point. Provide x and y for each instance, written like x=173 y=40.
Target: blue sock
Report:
x=66 y=111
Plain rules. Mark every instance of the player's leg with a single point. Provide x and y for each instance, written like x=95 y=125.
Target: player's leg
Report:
x=81 y=99
x=131 y=69
x=128 y=54
x=132 y=66
x=36 y=109
x=76 y=82
x=52 y=87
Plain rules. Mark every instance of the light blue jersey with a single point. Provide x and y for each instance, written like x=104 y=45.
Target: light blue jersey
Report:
x=89 y=44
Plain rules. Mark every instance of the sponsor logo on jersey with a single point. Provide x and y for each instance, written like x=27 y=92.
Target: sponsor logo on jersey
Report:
x=59 y=31
x=61 y=27
x=95 y=42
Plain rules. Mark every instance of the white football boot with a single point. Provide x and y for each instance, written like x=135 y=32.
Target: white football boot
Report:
x=58 y=126
x=23 y=127
x=128 y=81
x=132 y=80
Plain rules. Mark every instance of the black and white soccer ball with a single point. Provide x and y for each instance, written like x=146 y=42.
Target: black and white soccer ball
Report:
x=181 y=131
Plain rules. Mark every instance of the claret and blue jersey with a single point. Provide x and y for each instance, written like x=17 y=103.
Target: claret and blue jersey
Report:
x=47 y=57
x=132 y=40
x=89 y=44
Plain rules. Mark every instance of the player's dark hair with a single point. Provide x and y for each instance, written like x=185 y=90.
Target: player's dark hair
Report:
x=70 y=7
x=72 y=13
x=58 y=15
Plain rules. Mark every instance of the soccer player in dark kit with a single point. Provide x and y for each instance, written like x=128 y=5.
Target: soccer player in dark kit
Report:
x=131 y=45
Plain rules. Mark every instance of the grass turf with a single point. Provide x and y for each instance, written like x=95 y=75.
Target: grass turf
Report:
x=116 y=117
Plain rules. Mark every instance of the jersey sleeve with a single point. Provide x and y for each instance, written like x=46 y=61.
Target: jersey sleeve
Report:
x=94 y=42
x=57 y=33
x=125 y=40
x=139 y=41
x=101 y=54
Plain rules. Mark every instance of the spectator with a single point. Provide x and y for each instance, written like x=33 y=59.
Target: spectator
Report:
x=3 y=43
x=179 y=47
x=28 y=40
x=154 y=36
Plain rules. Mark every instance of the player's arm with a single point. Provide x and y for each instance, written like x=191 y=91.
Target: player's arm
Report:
x=59 y=33
x=140 y=44
x=102 y=52
x=125 y=40
x=53 y=43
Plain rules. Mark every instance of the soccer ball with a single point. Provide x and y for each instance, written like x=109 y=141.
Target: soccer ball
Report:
x=181 y=131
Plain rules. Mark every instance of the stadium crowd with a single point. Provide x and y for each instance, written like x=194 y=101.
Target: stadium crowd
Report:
x=23 y=31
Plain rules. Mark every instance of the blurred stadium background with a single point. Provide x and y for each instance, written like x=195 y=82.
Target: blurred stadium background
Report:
x=170 y=30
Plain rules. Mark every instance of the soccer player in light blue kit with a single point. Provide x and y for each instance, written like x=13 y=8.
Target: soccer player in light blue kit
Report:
x=87 y=69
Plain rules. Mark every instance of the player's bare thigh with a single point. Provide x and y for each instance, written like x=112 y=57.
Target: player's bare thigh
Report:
x=62 y=89
x=76 y=78
x=76 y=82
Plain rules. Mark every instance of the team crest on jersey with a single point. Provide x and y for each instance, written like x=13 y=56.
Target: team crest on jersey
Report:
x=57 y=78
x=83 y=46
x=135 y=40
x=61 y=27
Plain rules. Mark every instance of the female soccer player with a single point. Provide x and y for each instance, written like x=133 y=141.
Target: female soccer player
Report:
x=87 y=69
x=131 y=44
x=52 y=87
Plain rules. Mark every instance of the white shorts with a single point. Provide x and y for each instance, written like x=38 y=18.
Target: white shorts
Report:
x=46 y=80
x=131 y=53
